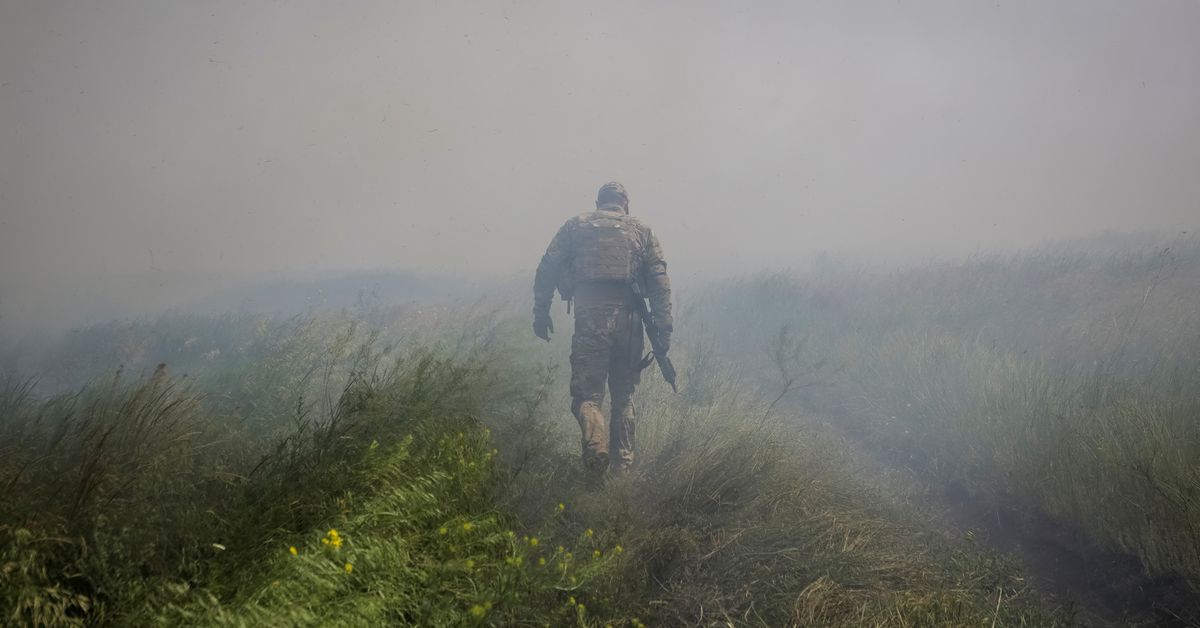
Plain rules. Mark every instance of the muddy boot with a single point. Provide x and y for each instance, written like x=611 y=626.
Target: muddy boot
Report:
x=621 y=436
x=618 y=467
x=596 y=471
x=594 y=437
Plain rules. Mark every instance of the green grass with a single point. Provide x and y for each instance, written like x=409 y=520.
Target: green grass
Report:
x=735 y=517
x=428 y=547
x=128 y=488
x=1063 y=382
x=175 y=500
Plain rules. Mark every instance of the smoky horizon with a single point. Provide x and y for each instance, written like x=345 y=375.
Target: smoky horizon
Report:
x=154 y=152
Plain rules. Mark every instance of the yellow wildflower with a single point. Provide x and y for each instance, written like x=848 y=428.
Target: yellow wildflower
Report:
x=561 y=507
x=468 y=526
x=294 y=551
x=541 y=562
x=618 y=549
x=596 y=554
x=349 y=568
x=478 y=611
x=533 y=542
x=589 y=533
x=443 y=530
x=571 y=600
x=470 y=564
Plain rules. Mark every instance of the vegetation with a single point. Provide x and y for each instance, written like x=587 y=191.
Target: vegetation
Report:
x=418 y=466
x=323 y=476
x=1053 y=384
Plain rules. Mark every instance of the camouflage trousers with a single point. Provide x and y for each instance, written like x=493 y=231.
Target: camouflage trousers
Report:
x=607 y=345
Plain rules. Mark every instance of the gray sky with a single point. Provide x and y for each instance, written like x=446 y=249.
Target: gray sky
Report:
x=208 y=138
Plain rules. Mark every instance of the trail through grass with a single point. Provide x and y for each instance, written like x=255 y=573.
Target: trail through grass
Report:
x=423 y=465
x=441 y=487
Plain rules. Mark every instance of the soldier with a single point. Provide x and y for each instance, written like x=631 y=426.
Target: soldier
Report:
x=595 y=260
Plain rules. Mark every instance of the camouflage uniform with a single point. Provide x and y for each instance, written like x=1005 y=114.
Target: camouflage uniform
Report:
x=595 y=258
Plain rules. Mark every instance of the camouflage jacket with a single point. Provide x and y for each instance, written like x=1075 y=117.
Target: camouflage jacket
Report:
x=648 y=268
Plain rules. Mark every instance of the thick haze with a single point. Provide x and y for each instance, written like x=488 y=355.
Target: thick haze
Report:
x=155 y=143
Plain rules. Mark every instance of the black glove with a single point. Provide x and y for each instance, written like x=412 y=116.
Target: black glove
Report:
x=543 y=326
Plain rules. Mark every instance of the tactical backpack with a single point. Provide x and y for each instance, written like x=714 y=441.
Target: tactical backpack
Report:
x=605 y=249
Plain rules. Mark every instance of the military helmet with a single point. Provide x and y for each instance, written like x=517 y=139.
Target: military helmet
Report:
x=610 y=190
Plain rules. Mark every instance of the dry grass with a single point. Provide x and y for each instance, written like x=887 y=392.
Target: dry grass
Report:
x=1062 y=381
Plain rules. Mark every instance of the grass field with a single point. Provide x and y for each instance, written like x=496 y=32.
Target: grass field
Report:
x=418 y=466
x=1054 y=383
x=436 y=483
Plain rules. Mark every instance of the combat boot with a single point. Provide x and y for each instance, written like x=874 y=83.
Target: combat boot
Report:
x=596 y=471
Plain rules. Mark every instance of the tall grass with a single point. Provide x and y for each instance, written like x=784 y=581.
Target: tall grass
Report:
x=737 y=518
x=116 y=493
x=1063 y=380
x=441 y=486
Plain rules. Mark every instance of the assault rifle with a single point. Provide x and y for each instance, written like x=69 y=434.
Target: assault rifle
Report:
x=655 y=334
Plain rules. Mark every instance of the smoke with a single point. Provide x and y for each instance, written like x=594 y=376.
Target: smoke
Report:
x=153 y=151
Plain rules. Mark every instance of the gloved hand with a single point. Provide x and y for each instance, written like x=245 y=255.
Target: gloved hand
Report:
x=543 y=326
